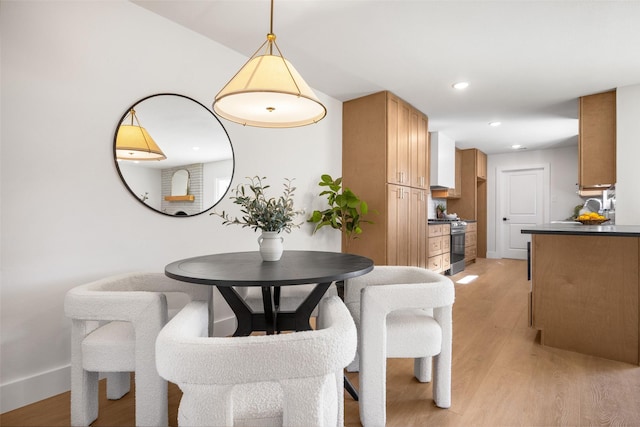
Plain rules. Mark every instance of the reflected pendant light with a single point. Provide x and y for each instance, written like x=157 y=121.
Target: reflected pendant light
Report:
x=134 y=142
x=268 y=92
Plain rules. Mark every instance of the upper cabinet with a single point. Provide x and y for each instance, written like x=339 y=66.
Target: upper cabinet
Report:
x=457 y=189
x=481 y=166
x=597 y=141
x=407 y=144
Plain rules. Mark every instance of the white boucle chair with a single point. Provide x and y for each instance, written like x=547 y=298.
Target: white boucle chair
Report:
x=400 y=312
x=115 y=322
x=292 y=379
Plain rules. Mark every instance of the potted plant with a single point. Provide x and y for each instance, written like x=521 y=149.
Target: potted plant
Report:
x=441 y=209
x=269 y=215
x=345 y=211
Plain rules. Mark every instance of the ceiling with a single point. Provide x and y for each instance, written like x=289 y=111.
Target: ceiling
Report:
x=527 y=62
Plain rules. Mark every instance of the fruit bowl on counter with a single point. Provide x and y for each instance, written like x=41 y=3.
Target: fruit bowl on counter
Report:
x=591 y=219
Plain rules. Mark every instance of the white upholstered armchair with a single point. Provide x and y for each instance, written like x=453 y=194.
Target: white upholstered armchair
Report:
x=115 y=322
x=292 y=379
x=400 y=312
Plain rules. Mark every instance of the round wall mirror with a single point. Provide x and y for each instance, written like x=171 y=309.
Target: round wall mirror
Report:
x=166 y=141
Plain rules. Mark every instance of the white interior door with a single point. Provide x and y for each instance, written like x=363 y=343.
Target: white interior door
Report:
x=523 y=196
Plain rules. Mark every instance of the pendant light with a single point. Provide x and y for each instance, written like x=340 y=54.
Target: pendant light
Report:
x=269 y=92
x=134 y=142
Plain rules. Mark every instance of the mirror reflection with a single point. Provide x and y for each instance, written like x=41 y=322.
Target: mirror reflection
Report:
x=199 y=163
x=180 y=183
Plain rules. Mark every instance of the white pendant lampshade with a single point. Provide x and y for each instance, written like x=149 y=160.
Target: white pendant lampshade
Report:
x=269 y=92
x=133 y=142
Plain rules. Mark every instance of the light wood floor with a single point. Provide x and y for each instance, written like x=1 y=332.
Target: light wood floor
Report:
x=502 y=376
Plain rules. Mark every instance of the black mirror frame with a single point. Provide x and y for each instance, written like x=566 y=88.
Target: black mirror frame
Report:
x=124 y=182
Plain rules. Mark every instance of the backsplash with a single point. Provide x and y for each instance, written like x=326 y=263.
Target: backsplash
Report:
x=431 y=206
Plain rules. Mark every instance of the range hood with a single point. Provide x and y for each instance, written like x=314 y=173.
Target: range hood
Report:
x=443 y=161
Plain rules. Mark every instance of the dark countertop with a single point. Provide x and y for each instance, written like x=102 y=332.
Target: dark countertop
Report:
x=585 y=230
x=439 y=221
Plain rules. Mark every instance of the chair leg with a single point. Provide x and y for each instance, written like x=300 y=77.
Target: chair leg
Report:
x=84 y=397
x=118 y=384
x=442 y=380
x=84 y=384
x=422 y=369
x=373 y=386
x=151 y=399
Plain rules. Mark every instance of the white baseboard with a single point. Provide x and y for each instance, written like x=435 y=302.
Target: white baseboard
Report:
x=29 y=390
x=493 y=254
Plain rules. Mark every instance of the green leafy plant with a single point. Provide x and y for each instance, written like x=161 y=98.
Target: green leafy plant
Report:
x=345 y=212
x=260 y=212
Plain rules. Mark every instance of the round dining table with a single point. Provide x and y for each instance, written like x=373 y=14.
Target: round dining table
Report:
x=226 y=271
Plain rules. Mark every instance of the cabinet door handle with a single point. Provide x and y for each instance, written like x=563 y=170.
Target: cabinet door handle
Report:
x=505 y=219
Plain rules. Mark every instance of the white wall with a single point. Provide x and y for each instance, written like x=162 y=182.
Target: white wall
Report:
x=563 y=175
x=69 y=70
x=628 y=155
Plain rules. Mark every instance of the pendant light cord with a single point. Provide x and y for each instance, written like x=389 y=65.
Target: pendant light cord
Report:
x=271 y=21
x=271 y=37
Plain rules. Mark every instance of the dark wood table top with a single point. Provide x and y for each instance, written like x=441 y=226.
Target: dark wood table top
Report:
x=248 y=268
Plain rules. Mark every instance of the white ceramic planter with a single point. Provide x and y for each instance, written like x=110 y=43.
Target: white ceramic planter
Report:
x=271 y=246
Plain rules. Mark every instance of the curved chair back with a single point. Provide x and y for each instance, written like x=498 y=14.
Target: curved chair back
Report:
x=292 y=379
x=401 y=312
x=115 y=322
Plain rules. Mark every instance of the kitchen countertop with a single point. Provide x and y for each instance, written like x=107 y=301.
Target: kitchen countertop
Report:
x=441 y=221
x=585 y=230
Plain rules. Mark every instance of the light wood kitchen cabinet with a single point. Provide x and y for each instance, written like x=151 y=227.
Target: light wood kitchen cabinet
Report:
x=407 y=144
x=471 y=242
x=398 y=225
x=481 y=166
x=472 y=204
x=418 y=234
x=398 y=141
x=385 y=158
x=439 y=245
x=597 y=141
x=419 y=149
x=585 y=293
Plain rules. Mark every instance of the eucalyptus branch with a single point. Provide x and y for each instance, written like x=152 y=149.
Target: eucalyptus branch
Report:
x=259 y=212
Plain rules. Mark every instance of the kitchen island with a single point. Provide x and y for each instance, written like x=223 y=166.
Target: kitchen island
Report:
x=585 y=288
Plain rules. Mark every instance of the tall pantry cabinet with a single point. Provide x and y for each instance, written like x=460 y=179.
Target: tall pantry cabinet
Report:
x=472 y=204
x=385 y=158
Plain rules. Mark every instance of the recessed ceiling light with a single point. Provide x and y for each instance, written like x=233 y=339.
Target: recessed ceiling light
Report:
x=494 y=124
x=460 y=85
x=196 y=148
x=518 y=147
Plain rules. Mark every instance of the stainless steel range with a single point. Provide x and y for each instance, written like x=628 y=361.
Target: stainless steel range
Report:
x=458 y=230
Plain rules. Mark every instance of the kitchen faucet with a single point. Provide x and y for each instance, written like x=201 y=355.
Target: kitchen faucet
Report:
x=588 y=207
